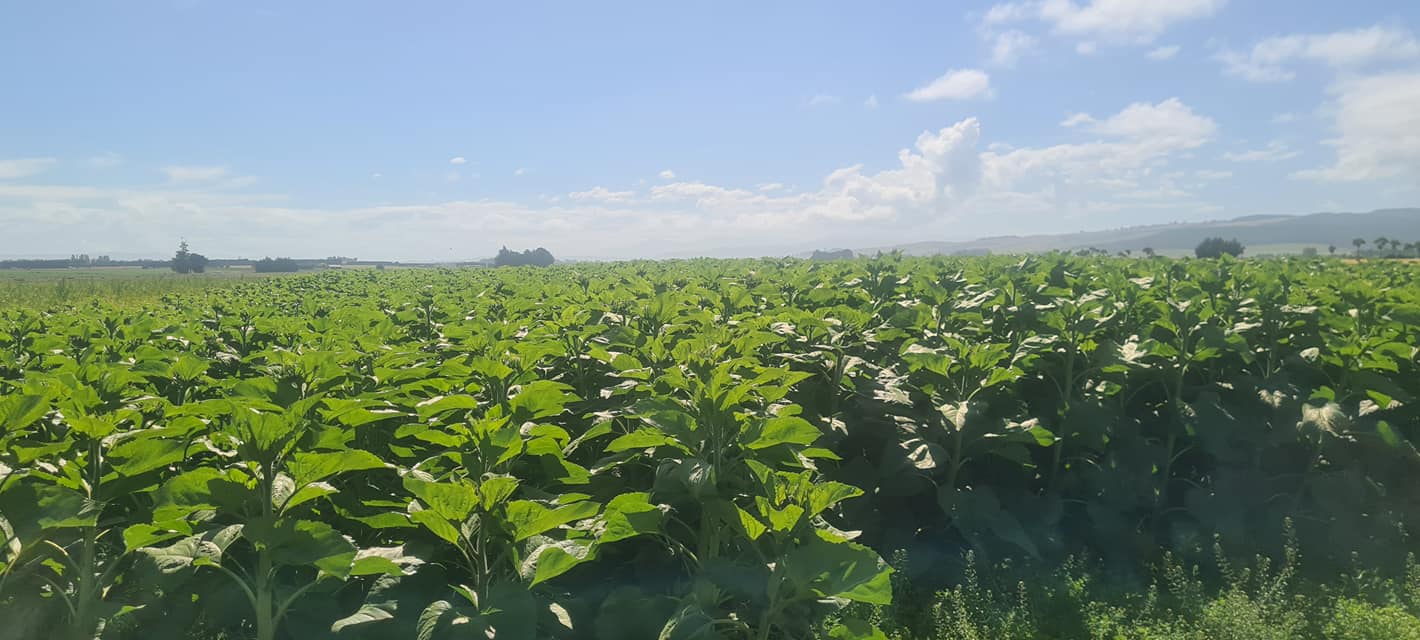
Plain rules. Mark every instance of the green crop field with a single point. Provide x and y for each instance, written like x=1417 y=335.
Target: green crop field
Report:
x=975 y=448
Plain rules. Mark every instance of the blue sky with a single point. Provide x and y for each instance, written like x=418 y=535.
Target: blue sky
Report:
x=442 y=130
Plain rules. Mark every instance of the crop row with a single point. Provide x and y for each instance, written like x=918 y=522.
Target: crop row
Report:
x=686 y=450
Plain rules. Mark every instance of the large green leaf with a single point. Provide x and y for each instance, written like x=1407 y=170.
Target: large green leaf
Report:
x=783 y=430
x=844 y=570
x=306 y=468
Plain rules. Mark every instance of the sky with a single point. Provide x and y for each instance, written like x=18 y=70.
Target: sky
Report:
x=442 y=130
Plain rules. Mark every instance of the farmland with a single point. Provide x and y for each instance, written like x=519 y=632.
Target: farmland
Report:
x=1047 y=447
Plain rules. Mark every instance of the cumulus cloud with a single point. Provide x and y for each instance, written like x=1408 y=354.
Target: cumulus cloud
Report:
x=1163 y=53
x=1008 y=47
x=1269 y=60
x=1112 y=21
x=871 y=102
x=943 y=178
x=1273 y=152
x=603 y=194
x=666 y=174
x=106 y=160
x=184 y=174
x=1170 y=123
x=520 y=171
x=957 y=84
x=1377 y=123
x=25 y=167
x=458 y=160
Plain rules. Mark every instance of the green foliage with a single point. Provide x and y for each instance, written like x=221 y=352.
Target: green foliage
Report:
x=708 y=449
x=1217 y=247
x=185 y=261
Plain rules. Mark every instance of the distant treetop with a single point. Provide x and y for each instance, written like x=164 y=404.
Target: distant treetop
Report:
x=538 y=257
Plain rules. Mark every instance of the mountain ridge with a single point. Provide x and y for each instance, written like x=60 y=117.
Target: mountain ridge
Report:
x=1260 y=233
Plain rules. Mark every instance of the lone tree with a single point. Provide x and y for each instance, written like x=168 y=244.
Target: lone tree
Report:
x=1359 y=242
x=187 y=262
x=1149 y=251
x=538 y=257
x=1331 y=249
x=1216 y=247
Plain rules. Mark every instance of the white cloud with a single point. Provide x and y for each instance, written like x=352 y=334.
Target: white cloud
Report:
x=1269 y=60
x=1273 y=152
x=822 y=99
x=185 y=174
x=25 y=167
x=1377 y=122
x=520 y=171
x=603 y=194
x=1211 y=174
x=1008 y=47
x=1087 y=48
x=105 y=160
x=957 y=84
x=944 y=183
x=1287 y=117
x=871 y=102
x=376 y=175
x=458 y=160
x=1169 y=122
x=1163 y=53
x=1111 y=21
x=666 y=174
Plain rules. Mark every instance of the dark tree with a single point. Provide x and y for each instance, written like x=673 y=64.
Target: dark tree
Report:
x=275 y=265
x=187 y=262
x=538 y=257
x=1216 y=247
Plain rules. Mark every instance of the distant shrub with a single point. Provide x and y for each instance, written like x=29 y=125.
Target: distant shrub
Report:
x=538 y=257
x=1216 y=247
x=276 y=265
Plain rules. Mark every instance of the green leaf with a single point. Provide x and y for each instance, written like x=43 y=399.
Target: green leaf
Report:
x=690 y=623
x=19 y=411
x=826 y=494
x=147 y=535
x=143 y=454
x=183 y=553
x=629 y=515
x=366 y=614
x=643 y=438
x=752 y=527
x=91 y=426
x=304 y=543
x=496 y=489
x=391 y=561
x=530 y=518
x=540 y=399
x=553 y=559
x=784 y=430
x=430 y=618
x=451 y=501
x=820 y=569
x=855 y=629
x=443 y=404
x=306 y=468
x=438 y=525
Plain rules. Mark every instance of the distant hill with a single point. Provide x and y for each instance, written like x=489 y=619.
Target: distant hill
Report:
x=1261 y=235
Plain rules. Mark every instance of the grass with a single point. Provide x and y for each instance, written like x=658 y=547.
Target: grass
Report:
x=1174 y=600
x=117 y=286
